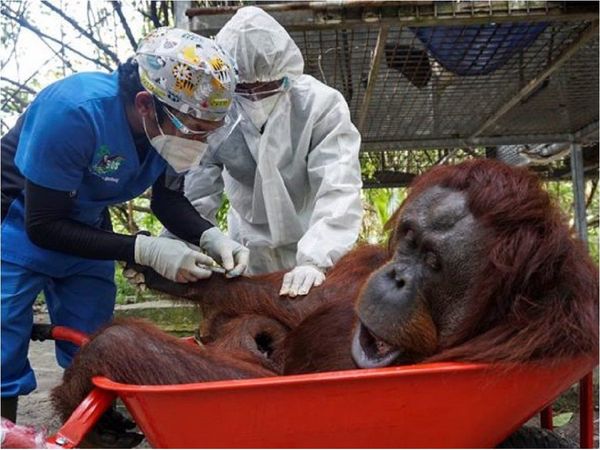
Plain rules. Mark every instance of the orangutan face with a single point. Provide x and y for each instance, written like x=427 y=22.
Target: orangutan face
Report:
x=411 y=306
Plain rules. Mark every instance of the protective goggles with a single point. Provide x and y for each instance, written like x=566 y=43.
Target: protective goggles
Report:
x=213 y=137
x=257 y=91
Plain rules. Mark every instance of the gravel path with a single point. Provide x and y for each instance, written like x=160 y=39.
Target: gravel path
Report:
x=35 y=408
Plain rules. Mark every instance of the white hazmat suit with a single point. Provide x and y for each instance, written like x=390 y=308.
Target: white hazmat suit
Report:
x=294 y=190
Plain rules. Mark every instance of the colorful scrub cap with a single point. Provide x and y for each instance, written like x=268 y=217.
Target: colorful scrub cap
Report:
x=187 y=72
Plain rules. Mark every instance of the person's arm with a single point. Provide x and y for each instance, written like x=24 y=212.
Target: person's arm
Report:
x=175 y=211
x=177 y=214
x=56 y=145
x=49 y=226
x=335 y=179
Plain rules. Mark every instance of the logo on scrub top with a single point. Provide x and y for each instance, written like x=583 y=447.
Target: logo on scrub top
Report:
x=105 y=164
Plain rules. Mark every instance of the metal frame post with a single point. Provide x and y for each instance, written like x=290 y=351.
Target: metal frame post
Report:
x=546 y=418
x=586 y=411
x=179 y=11
x=578 y=180
x=373 y=73
x=586 y=403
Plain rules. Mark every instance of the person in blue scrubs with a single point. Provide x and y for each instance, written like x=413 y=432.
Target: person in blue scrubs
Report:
x=93 y=140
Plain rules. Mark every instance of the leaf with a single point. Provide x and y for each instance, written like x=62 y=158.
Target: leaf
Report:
x=561 y=420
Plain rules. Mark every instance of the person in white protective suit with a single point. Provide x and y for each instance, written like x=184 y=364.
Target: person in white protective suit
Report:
x=290 y=169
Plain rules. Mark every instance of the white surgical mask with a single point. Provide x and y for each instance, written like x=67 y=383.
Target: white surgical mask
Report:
x=258 y=111
x=181 y=154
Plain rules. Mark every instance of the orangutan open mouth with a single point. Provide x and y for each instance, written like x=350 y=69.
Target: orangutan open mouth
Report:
x=370 y=351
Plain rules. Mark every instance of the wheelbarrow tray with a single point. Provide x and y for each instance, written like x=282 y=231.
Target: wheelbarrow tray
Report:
x=426 y=405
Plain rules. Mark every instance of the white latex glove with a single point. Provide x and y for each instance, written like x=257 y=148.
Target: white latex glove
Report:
x=171 y=258
x=300 y=280
x=232 y=255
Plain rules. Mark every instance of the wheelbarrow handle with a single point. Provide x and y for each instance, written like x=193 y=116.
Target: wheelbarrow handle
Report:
x=44 y=331
x=83 y=419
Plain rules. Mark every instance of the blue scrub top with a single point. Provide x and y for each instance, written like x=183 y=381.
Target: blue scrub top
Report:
x=76 y=138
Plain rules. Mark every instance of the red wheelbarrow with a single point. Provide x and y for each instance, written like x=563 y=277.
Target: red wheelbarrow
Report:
x=425 y=405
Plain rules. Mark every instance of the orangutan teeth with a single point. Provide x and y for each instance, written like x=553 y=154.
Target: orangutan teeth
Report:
x=382 y=347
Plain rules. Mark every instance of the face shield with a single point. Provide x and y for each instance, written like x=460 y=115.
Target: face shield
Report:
x=189 y=127
x=184 y=152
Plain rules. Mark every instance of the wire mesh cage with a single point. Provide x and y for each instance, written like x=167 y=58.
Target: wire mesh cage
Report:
x=446 y=75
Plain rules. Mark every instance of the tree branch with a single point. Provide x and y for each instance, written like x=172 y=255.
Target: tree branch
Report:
x=165 y=10
x=83 y=32
x=16 y=92
x=132 y=41
x=19 y=85
x=154 y=15
x=15 y=40
x=591 y=197
x=20 y=103
x=120 y=215
x=145 y=14
x=102 y=19
x=141 y=209
x=24 y=23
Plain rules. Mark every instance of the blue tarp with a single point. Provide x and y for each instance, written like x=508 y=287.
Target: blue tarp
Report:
x=479 y=49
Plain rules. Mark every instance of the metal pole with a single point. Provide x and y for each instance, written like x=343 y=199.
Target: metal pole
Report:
x=578 y=180
x=179 y=9
x=546 y=418
x=586 y=412
x=588 y=133
x=586 y=404
x=301 y=5
x=373 y=73
x=416 y=13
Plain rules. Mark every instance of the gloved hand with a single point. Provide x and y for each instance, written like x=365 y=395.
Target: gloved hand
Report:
x=171 y=258
x=232 y=255
x=300 y=280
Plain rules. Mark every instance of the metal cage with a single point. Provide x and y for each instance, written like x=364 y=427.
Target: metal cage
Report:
x=421 y=75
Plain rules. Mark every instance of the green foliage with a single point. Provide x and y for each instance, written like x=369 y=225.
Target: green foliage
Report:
x=222 y=214
x=378 y=206
x=562 y=193
x=126 y=292
x=562 y=419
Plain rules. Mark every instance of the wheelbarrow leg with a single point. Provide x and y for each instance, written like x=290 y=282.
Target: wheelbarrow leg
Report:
x=586 y=411
x=546 y=418
x=83 y=419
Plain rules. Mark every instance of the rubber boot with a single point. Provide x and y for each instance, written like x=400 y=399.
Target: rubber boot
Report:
x=9 y=408
x=113 y=430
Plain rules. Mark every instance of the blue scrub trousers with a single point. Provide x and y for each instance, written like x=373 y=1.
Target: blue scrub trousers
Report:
x=84 y=300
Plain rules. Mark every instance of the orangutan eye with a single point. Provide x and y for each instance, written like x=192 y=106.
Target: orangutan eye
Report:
x=432 y=261
x=410 y=237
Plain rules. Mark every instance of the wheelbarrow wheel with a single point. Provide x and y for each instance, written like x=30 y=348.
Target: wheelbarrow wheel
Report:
x=533 y=437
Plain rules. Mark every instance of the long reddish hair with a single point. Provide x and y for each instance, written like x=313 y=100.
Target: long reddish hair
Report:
x=537 y=294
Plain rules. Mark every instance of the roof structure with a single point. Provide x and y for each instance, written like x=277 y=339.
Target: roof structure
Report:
x=448 y=74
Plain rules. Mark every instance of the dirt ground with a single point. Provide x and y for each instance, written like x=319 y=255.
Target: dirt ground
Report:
x=35 y=409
